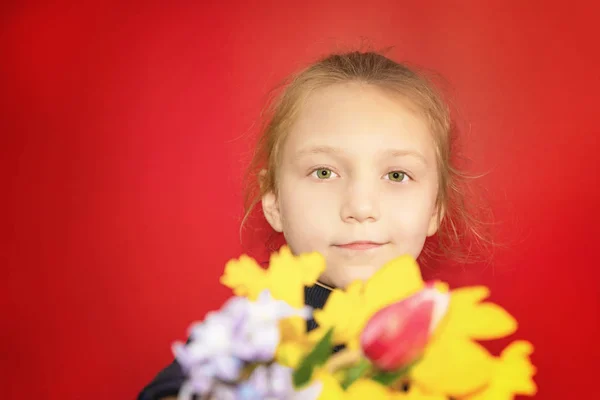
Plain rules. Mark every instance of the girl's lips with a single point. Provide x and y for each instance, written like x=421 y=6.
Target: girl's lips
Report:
x=361 y=245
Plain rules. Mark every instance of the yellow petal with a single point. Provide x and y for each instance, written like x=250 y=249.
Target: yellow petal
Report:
x=416 y=393
x=287 y=287
x=364 y=389
x=355 y=290
x=354 y=343
x=513 y=374
x=291 y=354
x=442 y=286
x=316 y=334
x=401 y=396
x=471 y=294
x=344 y=311
x=481 y=321
x=517 y=350
x=395 y=281
x=292 y=329
x=331 y=388
x=308 y=265
x=313 y=266
x=288 y=274
x=488 y=393
x=516 y=368
x=453 y=365
x=245 y=277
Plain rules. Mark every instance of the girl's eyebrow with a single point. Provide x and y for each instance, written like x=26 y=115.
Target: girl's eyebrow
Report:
x=406 y=153
x=317 y=150
x=390 y=153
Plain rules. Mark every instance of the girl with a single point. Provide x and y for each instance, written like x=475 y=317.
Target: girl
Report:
x=354 y=163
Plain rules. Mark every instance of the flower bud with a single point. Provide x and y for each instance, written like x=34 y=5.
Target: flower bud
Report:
x=397 y=334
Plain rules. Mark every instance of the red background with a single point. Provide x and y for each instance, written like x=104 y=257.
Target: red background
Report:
x=125 y=131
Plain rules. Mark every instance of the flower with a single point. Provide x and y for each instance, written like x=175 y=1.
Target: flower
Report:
x=513 y=374
x=367 y=389
x=291 y=352
x=268 y=382
x=414 y=393
x=242 y=331
x=359 y=390
x=397 y=334
x=397 y=331
x=285 y=279
x=349 y=310
x=209 y=355
x=259 y=334
x=344 y=311
x=454 y=363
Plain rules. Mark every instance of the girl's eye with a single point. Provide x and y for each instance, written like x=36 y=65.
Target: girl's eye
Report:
x=323 y=173
x=397 y=176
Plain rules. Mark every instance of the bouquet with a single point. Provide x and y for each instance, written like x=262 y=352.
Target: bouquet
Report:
x=391 y=337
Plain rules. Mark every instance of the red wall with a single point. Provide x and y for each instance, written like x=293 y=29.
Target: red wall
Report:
x=125 y=131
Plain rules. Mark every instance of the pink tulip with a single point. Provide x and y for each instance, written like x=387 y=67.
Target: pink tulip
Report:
x=397 y=334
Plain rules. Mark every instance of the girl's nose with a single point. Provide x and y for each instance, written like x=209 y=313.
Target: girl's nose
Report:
x=361 y=203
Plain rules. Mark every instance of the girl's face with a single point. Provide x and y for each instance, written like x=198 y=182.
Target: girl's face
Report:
x=357 y=183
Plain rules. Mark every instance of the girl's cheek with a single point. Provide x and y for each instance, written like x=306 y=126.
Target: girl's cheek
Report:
x=405 y=213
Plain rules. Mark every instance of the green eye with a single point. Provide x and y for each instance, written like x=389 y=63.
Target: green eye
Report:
x=397 y=176
x=323 y=173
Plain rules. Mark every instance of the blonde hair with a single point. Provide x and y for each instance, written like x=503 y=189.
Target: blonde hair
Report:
x=457 y=222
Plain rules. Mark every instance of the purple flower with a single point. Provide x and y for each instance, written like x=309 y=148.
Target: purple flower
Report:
x=209 y=353
x=274 y=382
x=241 y=332
x=259 y=333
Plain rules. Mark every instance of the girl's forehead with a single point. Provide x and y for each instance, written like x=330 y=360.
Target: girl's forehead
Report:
x=358 y=118
x=357 y=95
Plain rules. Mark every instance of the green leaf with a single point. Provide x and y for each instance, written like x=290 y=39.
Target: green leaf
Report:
x=318 y=356
x=388 y=378
x=355 y=372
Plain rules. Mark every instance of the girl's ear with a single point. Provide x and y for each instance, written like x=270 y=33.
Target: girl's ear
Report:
x=270 y=206
x=436 y=220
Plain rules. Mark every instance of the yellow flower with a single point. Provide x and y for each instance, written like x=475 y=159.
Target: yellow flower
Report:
x=417 y=394
x=291 y=352
x=454 y=366
x=397 y=280
x=331 y=387
x=367 y=389
x=289 y=274
x=453 y=363
x=360 y=390
x=480 y=321
x=245 y=277
x=348 y=311
x=513 y=374
x=285 y=278
x=344 y=310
